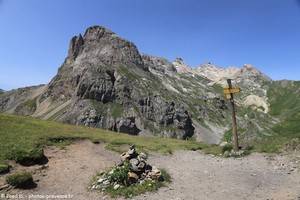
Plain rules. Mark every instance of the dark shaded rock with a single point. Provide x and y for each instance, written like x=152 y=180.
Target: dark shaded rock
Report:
x=168 y=114
x=174 y=119
x=183 y=121
x=128 y=126
x=98 y=86
x=75 y=47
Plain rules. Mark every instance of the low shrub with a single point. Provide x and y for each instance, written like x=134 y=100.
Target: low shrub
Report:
x=227 y=147
x=119 y=174
x=29 y=157
x=4 y=168
x=20 y=180
x=166 y=177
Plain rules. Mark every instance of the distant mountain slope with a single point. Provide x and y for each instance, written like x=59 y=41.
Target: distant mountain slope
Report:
x=285 y=104
x=106 y=82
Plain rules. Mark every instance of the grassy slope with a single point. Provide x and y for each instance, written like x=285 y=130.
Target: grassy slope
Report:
x=285 y=105
x=25 y=133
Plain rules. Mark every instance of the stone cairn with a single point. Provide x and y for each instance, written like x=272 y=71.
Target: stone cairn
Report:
x=138 y=172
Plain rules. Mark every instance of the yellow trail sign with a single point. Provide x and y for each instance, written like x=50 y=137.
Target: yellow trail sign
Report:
x=231 y=90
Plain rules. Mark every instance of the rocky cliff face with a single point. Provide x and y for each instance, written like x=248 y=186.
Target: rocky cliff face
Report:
x=105 y=82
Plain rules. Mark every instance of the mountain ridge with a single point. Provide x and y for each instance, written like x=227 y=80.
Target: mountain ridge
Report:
x=105 y=82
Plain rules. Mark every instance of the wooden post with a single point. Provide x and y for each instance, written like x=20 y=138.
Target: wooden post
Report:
x=234 y=124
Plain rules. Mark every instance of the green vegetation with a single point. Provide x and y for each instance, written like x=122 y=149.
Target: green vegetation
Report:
x=4 y=168
x=285 y=98
x=20 y=180
x=27 y=157
x=165 y=175
x=116 y=110
x=120 y=176
x=31 y=104
x=227 y=147
x=22 y=138
x=128 y=73
x=27 y=108
x=135 y=189
x=285 y=105
x=227 y=136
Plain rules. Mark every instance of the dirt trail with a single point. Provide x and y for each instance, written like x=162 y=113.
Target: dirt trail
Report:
x=199 y=176
x=195 y=175
x=70 y=171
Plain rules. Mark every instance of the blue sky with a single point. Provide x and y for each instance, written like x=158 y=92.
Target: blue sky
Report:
x=34 y=34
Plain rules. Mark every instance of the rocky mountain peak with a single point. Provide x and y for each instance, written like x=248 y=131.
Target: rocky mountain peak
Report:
x=179 y=61
x=100 y=45
x=216 y=73
x=75 y=46
x=180 y=66
x=249 y=70
x=96 y=32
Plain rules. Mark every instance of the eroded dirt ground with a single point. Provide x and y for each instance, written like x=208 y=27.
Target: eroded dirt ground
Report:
x=194 y=175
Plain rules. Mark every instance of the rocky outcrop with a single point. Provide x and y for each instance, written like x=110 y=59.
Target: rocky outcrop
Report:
x=174 y=120
x=158 y=65
x=181 y=67
x=76 y=46
x=98 y=86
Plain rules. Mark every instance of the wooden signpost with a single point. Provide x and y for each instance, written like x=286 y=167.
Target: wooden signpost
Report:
x=228 y=92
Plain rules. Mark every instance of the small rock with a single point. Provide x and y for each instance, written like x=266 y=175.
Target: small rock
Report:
x=134 y=164
x=226 y=154
x=44 y=167
x=4 y=186
x=106 y=182
x=223 y=144
x=155 y=173
x=142 y=157
x=125 y=156
x=133 y=177
x=141 y=165
x=100 y=180
x=117 y=186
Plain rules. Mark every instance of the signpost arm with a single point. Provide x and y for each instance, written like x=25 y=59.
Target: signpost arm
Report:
x=234 y=124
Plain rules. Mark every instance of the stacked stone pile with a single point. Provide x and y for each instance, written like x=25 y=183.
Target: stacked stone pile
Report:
x=132 y=169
